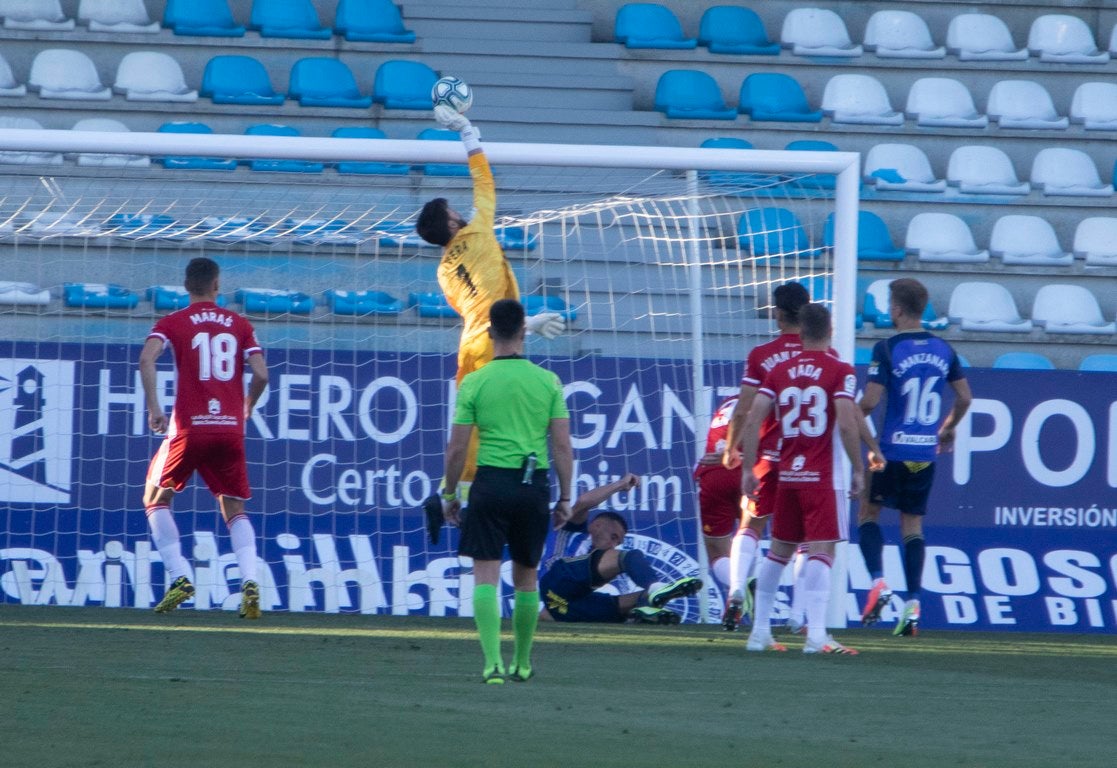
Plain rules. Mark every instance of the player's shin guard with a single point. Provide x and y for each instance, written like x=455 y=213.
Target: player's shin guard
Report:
x=243 y=537
x=635 y=565
x=741 y=554
x=767 y=582
x=816 y=580
x=720 y=571
x=164 y=534
x=914 y=555
x=486 y=616
x=525 y=617
x=870 y=539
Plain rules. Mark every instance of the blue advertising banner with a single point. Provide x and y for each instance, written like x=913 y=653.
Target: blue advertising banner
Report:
x=346 y=445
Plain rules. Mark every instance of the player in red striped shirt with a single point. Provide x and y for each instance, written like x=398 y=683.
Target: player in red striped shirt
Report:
x=205 y=433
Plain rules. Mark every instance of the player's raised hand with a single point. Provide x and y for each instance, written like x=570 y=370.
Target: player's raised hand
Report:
x=546 y=324
x=157 y=420
x=451 y=119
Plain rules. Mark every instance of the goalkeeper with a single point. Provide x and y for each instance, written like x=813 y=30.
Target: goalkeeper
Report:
x=473 y=272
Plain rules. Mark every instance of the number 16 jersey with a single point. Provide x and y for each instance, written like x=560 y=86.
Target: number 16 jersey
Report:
x=210 y=346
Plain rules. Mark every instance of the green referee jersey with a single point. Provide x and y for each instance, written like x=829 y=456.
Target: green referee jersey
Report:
x=511 y=401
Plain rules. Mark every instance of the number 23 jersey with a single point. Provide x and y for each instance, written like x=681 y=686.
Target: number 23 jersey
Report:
x=210 y=346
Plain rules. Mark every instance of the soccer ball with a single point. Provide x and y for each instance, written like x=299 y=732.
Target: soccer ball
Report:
x=453 y=92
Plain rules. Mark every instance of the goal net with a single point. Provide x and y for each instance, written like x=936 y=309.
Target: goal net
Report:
x=663 y=261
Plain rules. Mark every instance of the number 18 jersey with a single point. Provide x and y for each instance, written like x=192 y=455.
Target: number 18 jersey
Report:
x=210 y=346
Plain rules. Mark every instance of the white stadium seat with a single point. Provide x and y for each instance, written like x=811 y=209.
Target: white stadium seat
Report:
x=1067 y=172
x=151 y=76
x=943 y=102
x=817 y=32
x=981 y=306
x=108 y=125
x=982 y=37
x=943 y=237
x=1069 y=309
x=1094 y=106
x=116 y=16
x=892 y=34
x=1020 y=239
x=61 y=73
x=8 y=84
x=860 y=100
x=26 y=158
x=42 y=15
x=1095 y=239
x=902 y=168
x=1023 y=104
x=1064 y=39
x=982 y=170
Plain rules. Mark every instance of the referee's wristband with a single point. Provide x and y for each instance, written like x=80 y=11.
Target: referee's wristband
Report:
x=453 y=496
x=560 y=501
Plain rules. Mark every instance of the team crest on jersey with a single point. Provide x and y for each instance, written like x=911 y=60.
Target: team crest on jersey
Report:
x=798 y=463
x=214 y=406
x=36 y=430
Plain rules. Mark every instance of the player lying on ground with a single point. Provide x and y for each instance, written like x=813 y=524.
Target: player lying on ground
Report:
x=586 y=557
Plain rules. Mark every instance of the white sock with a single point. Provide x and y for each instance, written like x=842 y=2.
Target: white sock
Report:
x=741 y=554
x=799 y=593
x=817 y=584
x=164 y=533
x=244 y=545
x=767 y=582
x=720 y=570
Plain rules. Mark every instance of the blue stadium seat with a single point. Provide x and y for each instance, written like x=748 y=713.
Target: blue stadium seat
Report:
x=862 y=356
x=874 y=241
x=98 y=296
x=533 y=305
x=650 y=25
x=772 y=233
x=875 y=307
x=238 y=80
x=140 y=225
x=287 y=18
x=734 y=30
x=515 y=239
x=285 y=166
x=814 y=180
x=201 y=18
x=320 y=81
x=363 y=303
x=168 y=298
x=173 y=162
x=1030 y=361
x=274 y=301
x=14 y=293
x=430 y=304
x=371 y=21
x=399 y=235
x=401 y=84
x=441 y=169
x=320 y=231
x=365 y=132
x=774 y=96
x=690 y=95
x=732 y=178
x=1099 y=362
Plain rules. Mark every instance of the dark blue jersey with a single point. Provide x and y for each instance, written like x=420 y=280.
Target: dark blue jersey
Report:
x=913 y=367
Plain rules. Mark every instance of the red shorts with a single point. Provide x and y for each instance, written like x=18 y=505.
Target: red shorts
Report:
x=768 y=474
x=719 y=500
x=810 y=514
x=217 y=456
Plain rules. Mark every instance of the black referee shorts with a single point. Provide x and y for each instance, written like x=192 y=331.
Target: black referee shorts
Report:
x=505 y=510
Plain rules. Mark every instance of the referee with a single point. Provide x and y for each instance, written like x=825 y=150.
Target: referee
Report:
x=515 y=406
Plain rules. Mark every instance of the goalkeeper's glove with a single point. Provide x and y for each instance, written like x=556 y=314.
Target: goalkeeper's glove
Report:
x=453 y=120
x=546 y=324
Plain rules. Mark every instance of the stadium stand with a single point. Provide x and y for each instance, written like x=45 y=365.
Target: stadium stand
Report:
x=152 y=76
x=401 y=84
x=441 y=169
x=36 y=15
x=982 y=37
x=365 y=132
x=193 y=163
x=817 y=32
x=63 y=73
x=943 y=102
x=860 y=100
x=942 y=237
x=1023 y=104
x=1031 y=361
x=1064 y=39
x=1024 y=239
x=296 y=19
x=1095 y=240
x=772 y=232
x=650 y=25
x=984 y=170
x=895 y=34
x=8 y=84
x=985 y=306
x=874 y=241
x=283 y=166
x=371 y=21
x=108 y=160
x=1063 y=308
x=900 y=168
x=775 y=96
x=234 y=79
x=1099 y=361
x=737 y=31
x=201 y=18
x=117 y=16
x=691 y=95
x=320 y=81
x=1094 y=106
x=1067 y=171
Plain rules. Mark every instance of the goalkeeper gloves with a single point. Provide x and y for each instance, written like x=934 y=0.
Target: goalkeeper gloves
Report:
x=452 y=120
x=546 y=324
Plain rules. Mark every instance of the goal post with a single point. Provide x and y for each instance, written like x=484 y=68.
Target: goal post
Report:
x=642 y=246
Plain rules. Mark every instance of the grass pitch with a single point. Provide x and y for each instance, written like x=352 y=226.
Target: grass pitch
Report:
x=118 y=687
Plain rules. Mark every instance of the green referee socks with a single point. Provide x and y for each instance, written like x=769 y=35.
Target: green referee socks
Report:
x=486 y=615
x=525 y=616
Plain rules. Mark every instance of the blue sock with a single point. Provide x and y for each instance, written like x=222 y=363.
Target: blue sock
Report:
x=871 y=540
x=914 y=551
x=636 y=566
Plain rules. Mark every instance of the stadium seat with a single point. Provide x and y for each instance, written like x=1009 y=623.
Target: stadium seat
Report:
x=1094 y=106
x=116 y=16
x=1063 y=308
x=862 y=356
x=649 y=25
x=814 y=180
x=193 y=163
x=982 y=170
x=734 y=179
x=430 y=304
x=238 y=80
x=23 y=294
x=403 y=84
x=352 y=166
x=734 y=30
x=535 y=304
x=363 y=303
x=226 y=229
x=1100 y=362
x=1095 y=239
x=201 y=18
x=321 y=81
x=296 y=19
x=943 y=102
x=8 y=84
x=1025 y=361
x=892 y=34
x=876 y=308
x=61 y=73
x=1064 y=39
x=860 y=100
x=690 y=95
x=151 y=76
x=1067 y=172
x=442 y=169
x=817 y=32
x=140 y=226
x=774 y=96
x=981 y=306
x=38 y=15
x=108 y=125
x=320 y=231
x=901 y=168
x=982 y=37
x=12 y=157
x=1026 y=239
x=874 y=241
x=1023 y=104
x=371 y=21
x=274 y=301
x=168 y=298
x=942 y=237
x=98 y=296
x=283 y=166
x=772 y=233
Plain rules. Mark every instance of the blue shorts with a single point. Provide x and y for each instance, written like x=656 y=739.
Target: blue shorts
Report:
x=567 y=591
x=903 y=485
